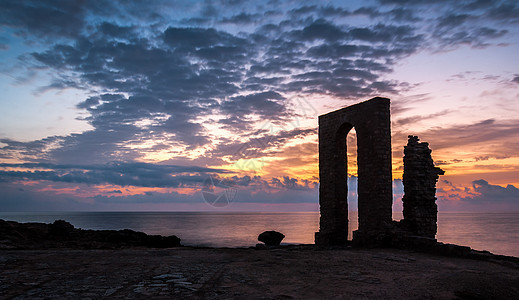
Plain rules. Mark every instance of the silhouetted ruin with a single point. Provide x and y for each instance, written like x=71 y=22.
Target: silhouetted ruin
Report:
x=420 y=177
x=371 y=120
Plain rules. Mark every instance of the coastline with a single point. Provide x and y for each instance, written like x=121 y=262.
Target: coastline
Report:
x=71 y=270
x=495 y=232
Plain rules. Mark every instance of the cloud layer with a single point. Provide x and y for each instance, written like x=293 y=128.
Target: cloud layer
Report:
x=182 y=84
x=154 y=78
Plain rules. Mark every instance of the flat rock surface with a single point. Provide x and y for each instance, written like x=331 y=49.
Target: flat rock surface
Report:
x=300 y=272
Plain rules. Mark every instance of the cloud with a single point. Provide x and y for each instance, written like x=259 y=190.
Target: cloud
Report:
x=190 y=38
x=116 y=31
x=242 y=18
x=195 y=88
x=66 y=192
x=44 y=18
x=418 y=118
x=116 y=173
x=481 y=194
x=492 y=136
x=141 y=175
x=320 y=30
x=198 y=72
x=508 y=12
x=494 y=193
x=267 y=105
x=267 y=145
x=451 y=21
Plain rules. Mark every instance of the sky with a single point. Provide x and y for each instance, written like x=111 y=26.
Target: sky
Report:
x=212 y=105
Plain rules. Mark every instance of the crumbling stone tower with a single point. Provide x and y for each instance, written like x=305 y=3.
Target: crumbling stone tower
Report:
x=420 y=178
x=371 y=120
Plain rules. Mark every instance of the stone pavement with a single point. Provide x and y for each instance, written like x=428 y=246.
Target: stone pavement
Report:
x=300 y=272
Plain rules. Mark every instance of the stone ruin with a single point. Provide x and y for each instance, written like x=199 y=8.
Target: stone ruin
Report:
x=371 y=120
x=419 y=201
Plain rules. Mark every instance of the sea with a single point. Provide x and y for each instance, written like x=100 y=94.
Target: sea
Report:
x=497 y=232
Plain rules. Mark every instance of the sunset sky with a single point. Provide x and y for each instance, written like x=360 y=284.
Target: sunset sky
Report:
x=139 y=105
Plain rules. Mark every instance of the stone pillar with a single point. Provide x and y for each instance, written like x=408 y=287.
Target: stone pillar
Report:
x=371 y=120
x=420 y=178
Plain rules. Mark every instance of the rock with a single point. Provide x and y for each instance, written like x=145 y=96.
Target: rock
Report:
x=61 y=229
x=271 y=238
x=62 y=234
x=260 y=246
x=158 y=241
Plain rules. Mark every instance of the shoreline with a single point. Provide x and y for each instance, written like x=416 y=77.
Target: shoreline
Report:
x=61 y=234
x=56 y=266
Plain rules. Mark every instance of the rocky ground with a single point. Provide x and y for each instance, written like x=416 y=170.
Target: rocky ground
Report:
x=301 y=272
x=61 y=234
x=58 y=261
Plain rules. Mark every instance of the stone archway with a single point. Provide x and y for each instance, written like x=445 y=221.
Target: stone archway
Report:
x=371 y=120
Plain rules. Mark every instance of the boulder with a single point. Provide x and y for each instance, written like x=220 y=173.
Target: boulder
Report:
x=271 y=238
x=61 y=229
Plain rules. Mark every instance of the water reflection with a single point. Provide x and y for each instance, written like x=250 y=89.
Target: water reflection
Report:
x=495 y=232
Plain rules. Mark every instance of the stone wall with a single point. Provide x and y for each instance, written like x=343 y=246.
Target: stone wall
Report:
x=371 y=120
x=419 y=200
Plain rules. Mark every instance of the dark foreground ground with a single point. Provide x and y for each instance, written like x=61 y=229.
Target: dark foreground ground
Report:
x=283 y=273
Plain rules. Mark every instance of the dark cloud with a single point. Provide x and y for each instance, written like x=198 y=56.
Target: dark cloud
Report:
x=233 y=2
x=486 y=132
x=144 y=198
x=196 y=21
x=478 y=4
x=195 y=37
x=44 y=18
x=474 y=23
x=404 y=15
x=451 y=21
x=476 y=37
x=320 y=30
x=242 y=18
x=303 y=10
x=117 y=173
x=385 y=34
x=293 y=183
x=516 y=79
x=507 y=12
x=201 y=71
x=410 y=2
x=268 y=105
x=38 y=150
x=492 y=137
x=209 y=10
x=114 y=30
x=272 y=137
x=151 y=79
x=489 y=193
x=418 y=118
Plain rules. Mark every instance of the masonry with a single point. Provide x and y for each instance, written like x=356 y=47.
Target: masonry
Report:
x=420 y=178
x=371 y=120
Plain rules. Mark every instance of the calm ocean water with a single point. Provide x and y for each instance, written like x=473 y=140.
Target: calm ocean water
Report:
x=495 y=232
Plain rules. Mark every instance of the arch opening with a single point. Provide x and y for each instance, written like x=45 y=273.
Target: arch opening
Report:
x=371 y=120
x=352 y=172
